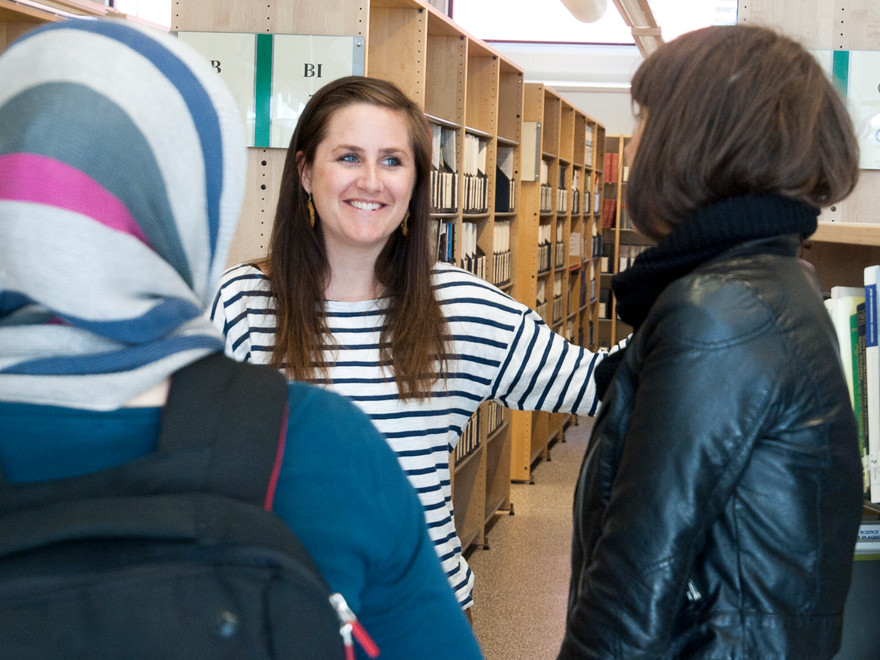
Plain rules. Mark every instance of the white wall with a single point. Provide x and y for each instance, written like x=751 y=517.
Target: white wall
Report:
x=612 y=110
x=595 y=79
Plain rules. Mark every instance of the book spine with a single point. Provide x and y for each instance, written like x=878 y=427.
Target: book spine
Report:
x=872 y=368
x=860 y=395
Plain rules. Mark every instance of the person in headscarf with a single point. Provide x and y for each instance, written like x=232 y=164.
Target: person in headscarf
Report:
x=122 y=172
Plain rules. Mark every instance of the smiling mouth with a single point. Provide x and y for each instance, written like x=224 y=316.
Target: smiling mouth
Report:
x=366 y=206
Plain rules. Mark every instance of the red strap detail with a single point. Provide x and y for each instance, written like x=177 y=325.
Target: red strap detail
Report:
x=363 y=638
x=276 y=469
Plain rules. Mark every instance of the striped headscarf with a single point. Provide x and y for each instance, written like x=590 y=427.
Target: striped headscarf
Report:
x=122 y=171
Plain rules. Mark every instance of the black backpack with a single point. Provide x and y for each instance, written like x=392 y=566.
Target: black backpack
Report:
x=173 y=555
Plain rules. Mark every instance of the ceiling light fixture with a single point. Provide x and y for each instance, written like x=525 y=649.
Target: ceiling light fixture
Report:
x=636 y=14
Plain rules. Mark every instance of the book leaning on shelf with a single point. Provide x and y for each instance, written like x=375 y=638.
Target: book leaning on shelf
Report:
x=505 y=185
x=872 y=380
x=846 y=306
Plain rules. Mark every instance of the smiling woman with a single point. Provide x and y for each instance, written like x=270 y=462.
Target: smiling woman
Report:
x=360 y=183
x=351 y=298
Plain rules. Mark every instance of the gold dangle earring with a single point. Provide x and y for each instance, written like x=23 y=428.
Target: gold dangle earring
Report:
x=403 y=224
x=311 y=206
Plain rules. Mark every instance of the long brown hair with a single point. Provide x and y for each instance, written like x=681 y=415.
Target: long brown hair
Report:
x=412 y=339
x=733 y=110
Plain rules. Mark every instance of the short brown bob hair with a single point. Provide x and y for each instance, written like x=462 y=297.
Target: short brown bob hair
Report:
x=733 y=110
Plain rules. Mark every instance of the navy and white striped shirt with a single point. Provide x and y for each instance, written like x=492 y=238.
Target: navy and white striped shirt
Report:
x=500 y=350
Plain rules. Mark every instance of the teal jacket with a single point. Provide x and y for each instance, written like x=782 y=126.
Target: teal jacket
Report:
x=340 y=489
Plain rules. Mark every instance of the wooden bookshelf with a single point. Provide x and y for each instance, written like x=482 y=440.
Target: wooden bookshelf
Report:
x=17 y=18
x=554 y=254
x=620 y=243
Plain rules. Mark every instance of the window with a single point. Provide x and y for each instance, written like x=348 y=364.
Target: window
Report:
x=550 y=22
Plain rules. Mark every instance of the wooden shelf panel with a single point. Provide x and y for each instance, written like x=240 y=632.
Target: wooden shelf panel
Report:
x=853 y=233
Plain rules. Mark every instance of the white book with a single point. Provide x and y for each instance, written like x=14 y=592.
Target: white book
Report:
x=841 y=306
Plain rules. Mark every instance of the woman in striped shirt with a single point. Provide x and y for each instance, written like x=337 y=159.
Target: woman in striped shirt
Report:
x=352 y=299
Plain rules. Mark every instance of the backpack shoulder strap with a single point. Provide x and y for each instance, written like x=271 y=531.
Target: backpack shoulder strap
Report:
x=237 y=410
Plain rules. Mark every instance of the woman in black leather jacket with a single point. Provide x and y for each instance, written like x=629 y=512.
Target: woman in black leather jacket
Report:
x=718 y=503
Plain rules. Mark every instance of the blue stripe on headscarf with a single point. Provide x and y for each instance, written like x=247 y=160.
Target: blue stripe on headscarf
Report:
x=159 y=321
x=11 y=301
x=198 y=102
x=113 y=361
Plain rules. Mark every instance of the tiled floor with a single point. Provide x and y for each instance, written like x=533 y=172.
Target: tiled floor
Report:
x=522 y=579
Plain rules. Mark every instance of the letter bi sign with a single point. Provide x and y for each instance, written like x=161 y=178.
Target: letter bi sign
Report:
x=272 y=76
x=856 y=74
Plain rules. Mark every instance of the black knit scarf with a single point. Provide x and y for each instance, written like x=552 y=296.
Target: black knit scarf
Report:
x=708 y=232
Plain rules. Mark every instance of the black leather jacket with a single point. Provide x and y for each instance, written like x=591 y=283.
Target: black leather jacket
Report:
x=718 y=504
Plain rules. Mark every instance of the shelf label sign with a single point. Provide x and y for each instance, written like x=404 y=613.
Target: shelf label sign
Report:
x=856 y=75
x=272 y=76
x=863 y=94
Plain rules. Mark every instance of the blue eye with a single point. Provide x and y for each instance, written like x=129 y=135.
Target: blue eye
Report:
x=349 y=158
x=392 y=161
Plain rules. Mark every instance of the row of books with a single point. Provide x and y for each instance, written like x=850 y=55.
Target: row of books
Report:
x=609 y=218
x=494 y=416
x=561 y=191
x=577 y=245
x=609 y=211
x=443 y=196
x=501 y=269
x=561 y=200
x=625 y=258
x=611 y=166
x=589 y=145
x=473 y=259
x=505 y=184
x=557 y=297
x=546 y=195
x=545 y=235
x=491 y=416
x=476 y=179
x=853 y=312
x=627 y=255
x=443 y=169
x=546 y=201
x=556 y=319
x=605 y=307
x=541 y=309
x=470 y=438
x=559 y=260
x=576 y=192
x=444 y=239
x=614 y=173
x=544 y=260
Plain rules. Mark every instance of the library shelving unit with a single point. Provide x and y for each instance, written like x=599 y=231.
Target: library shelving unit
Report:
x=16 y=18
x=554 y=257
x=620 y=243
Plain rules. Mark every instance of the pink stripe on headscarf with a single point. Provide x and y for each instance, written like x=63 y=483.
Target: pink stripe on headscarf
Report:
x=42 y=180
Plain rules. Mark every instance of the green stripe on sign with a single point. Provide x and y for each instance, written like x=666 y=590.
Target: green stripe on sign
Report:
x=263 y=91
x=840 y=70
